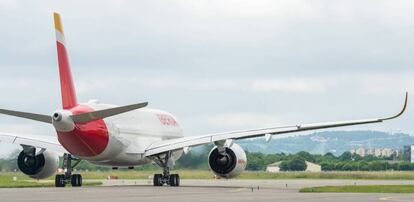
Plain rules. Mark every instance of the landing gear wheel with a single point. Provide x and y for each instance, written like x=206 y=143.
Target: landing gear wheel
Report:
x=76 y=180
x=158 y=180
x=60 y=181
x=166 y=162
x=174 y=180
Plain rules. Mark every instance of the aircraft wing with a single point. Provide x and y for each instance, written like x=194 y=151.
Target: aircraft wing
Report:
x=44 y=142
x=180 y=143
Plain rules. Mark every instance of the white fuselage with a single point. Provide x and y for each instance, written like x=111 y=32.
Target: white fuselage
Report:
x=132 y=132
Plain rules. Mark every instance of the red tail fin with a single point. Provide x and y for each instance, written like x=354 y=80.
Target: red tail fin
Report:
x=66 y=82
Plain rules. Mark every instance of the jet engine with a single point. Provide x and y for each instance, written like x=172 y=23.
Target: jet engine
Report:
x=229 y=162
x=38 y=166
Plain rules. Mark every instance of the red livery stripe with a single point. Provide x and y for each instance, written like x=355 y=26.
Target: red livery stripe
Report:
x=87 y=139
x=66 y=83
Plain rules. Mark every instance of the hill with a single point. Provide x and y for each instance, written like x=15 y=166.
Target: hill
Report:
x=335 y=142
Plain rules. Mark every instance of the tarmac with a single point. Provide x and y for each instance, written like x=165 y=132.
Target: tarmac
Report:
x=205 y=190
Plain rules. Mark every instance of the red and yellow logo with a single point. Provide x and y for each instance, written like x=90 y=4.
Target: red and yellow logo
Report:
x=167 y=120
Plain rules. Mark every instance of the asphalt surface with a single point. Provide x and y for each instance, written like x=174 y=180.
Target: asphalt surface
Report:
x=203 y=190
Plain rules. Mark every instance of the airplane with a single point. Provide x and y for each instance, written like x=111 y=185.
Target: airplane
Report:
x=128 y=136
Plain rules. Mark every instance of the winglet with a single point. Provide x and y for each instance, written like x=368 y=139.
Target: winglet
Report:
x=66 y=82
x=401 y=112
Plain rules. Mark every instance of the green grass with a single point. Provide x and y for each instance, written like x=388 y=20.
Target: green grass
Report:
x=355 y=175
x=362 y=189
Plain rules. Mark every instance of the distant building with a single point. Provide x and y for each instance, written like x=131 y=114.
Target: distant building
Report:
x=370 y=151
x=407 y=153
x=274 y=167
x=388 y=152
x=359 y=151
x=396 y=154
x=412 y=154
x=310 y=167
x=378 y=152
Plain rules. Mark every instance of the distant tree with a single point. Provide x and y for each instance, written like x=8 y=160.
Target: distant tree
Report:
x=271 y=158
x=326 y=166
x=377 y=166
x=306 y=156
x=329 y=155
x=339 y=165
x=284 y=166
x=193 y=160
x=346 y=156
x=356 y=157
x=297 y=164
x=405 y=166
x=11 y=162
x=363 y=166
x=255 y=161
x=369 y=157
x=394 y=166
x=348 y=167
x=197 y=159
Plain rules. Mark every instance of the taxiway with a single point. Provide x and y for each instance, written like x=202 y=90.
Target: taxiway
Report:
x=204 y=190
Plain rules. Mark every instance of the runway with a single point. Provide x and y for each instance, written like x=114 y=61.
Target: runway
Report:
x=203 y=190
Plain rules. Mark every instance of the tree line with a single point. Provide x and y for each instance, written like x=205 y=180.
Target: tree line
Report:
x=328 y=162
x=257 y=161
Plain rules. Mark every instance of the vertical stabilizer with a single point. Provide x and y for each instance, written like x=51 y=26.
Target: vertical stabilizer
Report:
x=66 y=82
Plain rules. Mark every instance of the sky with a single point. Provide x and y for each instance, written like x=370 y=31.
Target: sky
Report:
x=216 y=65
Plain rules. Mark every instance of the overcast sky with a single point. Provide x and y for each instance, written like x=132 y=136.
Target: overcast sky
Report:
x=216 y=65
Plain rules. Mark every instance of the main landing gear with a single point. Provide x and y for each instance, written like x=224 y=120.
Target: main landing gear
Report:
x=62 y=179
x=166 y=178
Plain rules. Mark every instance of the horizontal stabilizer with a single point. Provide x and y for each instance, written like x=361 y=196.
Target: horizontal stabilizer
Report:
x=100 y=114
x=27 y=115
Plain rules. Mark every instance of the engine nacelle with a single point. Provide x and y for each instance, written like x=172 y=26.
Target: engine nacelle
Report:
x=40 y=166
x=229 y=164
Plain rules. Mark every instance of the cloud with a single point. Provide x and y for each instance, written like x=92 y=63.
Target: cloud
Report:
x=388 y=83
x=243 y=120
x=215 y=64
x=293 y=85
x=88 y=86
